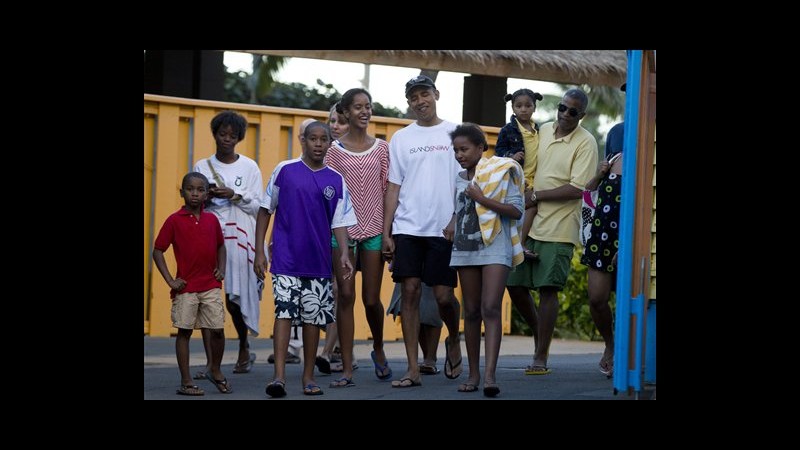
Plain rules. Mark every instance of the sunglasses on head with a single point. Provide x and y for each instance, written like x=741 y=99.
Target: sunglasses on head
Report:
x=572 y=111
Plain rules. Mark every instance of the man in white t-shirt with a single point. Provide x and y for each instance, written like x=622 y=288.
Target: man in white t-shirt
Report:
x=418 y=206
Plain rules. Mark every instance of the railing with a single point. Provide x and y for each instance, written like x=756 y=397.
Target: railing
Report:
x=177 y=134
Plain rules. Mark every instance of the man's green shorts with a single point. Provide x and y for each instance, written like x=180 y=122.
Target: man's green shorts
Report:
x=551 y=270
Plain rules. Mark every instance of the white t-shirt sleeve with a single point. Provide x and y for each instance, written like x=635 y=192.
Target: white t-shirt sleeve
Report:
x=202 y=167
x=344 y=215
x=269 y=200
x=397 y=168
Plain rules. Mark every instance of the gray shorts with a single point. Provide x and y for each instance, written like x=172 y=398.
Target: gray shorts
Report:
x=428 y=308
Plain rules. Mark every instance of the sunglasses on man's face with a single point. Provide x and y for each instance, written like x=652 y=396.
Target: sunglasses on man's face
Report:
x=572 y=111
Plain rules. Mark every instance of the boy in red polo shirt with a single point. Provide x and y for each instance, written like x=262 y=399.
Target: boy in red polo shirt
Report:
x=195 y=291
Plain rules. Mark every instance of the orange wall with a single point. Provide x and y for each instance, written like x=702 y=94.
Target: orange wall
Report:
x=177 y=134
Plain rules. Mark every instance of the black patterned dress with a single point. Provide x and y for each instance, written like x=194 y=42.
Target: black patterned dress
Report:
x=603 y=242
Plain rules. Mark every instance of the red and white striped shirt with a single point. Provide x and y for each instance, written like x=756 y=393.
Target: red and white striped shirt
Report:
x=366 y=174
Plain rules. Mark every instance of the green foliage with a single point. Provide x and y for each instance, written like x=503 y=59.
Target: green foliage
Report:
x=574 y=319
x=264 y=69
x=386 y=111
x=298 y=95
x=294 y=95
x=236 y=86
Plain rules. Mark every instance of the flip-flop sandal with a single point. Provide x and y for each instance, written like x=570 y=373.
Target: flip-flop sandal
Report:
x=537 y=370
x=607 y=368
x=323 y=365
x=200 y=375
x=428 y=370
x=380 y=370
x=246 y=367
x=312 y=389
x=222 y=385
x=342 y=383
x=447 y=362
x=406 y=383
x=276 y=389
x=190 y=389
x=290 y=359
x=491 y=391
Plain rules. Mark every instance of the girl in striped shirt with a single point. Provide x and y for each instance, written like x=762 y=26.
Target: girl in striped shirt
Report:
x=363 y=160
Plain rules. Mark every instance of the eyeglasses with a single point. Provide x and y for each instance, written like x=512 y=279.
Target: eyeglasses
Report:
x=572 y=111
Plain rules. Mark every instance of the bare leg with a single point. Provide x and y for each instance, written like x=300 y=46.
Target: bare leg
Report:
x=331 y=336
x=372 y=276
x=344 y=308
x=523 y=300
x=548 y=312
x=599 y=294
x=182 y=353
x=241 y=330
x=206 y=333
x=449 y=310
x=471 y=286
x=331 y=331
x=280 y=344
x=410 y=324
x=494 y=280
x=217 y=338
x=429 y=336
x=310 y=342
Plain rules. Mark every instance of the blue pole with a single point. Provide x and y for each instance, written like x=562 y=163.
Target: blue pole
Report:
x=622 y=373
x=650 y=349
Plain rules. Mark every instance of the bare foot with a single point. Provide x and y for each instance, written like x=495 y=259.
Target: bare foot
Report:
x=471 y=385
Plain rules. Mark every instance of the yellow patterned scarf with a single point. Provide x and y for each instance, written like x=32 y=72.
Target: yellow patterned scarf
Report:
x=493 y=176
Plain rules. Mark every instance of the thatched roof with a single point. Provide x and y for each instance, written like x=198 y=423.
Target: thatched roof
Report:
x=597 y=67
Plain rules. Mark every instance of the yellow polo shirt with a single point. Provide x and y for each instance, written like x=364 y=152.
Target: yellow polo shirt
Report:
x=531 y=142
x=571 y=159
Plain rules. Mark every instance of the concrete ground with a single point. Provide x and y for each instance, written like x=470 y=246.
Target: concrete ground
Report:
x=575 y=374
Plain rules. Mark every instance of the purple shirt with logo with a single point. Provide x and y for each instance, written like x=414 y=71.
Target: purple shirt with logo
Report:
x=312 y=202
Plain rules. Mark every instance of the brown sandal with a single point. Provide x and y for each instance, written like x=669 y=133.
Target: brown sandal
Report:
x=428 y=370
x=245 y=367
x=222 y=384
x=190 y=389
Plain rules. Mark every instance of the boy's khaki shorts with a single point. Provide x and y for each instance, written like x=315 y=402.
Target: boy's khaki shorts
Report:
x=192 y=310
